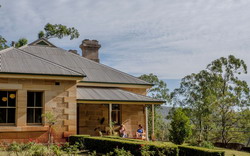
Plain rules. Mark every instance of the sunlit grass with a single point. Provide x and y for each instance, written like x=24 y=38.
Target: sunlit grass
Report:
x=230 y=152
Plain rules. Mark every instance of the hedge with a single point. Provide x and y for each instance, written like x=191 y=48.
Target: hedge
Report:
x=199 y=151
x=78 y=139
x=105 y=145
x=108 y=143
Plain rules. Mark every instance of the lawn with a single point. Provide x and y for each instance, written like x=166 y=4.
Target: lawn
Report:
x=234 y=152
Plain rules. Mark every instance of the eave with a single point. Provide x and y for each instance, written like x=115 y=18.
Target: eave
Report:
x=113 y=84
x=89 y=101
x=40 y=76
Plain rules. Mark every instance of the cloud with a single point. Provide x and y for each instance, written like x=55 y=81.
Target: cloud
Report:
x=169 y=38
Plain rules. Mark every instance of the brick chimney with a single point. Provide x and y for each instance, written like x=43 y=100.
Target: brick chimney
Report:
x=90 y=49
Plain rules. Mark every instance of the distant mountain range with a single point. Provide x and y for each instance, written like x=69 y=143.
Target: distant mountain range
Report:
x=164 y=111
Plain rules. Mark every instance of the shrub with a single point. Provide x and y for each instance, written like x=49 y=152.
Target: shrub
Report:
x=145 y=151
x=199 y=151
x=106 y=145
x=33 y=149
x=39 y=150
x=180 y=127
x=119 y=152
x=78 y=139
x=19 y=148
x=70 y=149
x=207 y=144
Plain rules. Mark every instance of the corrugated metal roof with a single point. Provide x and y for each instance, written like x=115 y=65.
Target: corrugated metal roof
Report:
x=111 y=94
x=95 y=72
x=17 y=61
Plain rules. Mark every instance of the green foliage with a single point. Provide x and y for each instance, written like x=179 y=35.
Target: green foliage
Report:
x=58 y=31
x=199 y=151
x=205 y=144
x=51 y=119
x=21 y=42
x=196 y=92
x=92 y=153
x=144 y=148
x=231 y=94
x=19 y=149
x=159 y=90
x=119 y=152
x=145 y=151
x=106 y=145
x=3 y=43
x=56 y=150
x=41 y=34
x=33 y=149
x=70 y=149
x=78 y=139
x=161 y=127
x=180 y=127
x=216 y=99
x=39 y=150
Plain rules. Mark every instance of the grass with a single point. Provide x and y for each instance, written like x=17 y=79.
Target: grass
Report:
x=229 y=152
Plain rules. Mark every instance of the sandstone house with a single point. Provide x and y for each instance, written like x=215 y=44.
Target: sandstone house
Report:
x=84 y=94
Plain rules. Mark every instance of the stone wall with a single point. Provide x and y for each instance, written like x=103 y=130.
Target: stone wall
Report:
x=132 y=116
x=90 y=116
x=59 y=99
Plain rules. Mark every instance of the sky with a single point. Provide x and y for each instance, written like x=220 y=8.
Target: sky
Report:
x=169 y=38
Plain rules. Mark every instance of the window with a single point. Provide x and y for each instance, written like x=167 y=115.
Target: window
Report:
x=116 y=114
x=7 y=107
x=34 y=107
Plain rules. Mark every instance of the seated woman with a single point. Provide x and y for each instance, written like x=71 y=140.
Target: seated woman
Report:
x=140 y=132
x=122 y=131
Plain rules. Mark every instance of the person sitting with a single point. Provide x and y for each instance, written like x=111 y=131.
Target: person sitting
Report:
x=140 y=132
x=122 y=131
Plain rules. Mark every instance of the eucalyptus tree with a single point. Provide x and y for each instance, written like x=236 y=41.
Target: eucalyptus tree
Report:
x=196 y=92
x=50 y=31
x=58 y=31
x=216 y=97
x=159 y=91
x=3 y=43
x=232 y=94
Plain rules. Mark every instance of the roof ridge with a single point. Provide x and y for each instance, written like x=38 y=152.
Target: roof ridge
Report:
x=107 y=66
x=50 y=62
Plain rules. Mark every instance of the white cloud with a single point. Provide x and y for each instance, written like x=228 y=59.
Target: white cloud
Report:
x=169 y=38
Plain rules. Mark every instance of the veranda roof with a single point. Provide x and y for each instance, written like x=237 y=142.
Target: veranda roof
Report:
x=112 y=95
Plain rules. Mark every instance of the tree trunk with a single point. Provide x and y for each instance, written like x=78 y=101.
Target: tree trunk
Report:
x=49 y=135
x=248 y=143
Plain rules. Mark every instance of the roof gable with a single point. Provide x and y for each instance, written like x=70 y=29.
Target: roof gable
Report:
x=42 y=42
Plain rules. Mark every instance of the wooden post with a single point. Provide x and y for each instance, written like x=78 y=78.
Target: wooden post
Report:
x=146 y=113
x=153 y=122
x=110 y=118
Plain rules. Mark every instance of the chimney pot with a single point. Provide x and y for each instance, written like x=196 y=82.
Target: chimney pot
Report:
x=90 y=49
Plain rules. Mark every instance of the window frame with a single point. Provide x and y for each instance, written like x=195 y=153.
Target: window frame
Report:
x=9 y=107
x=118 y=114
x=35 y=107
